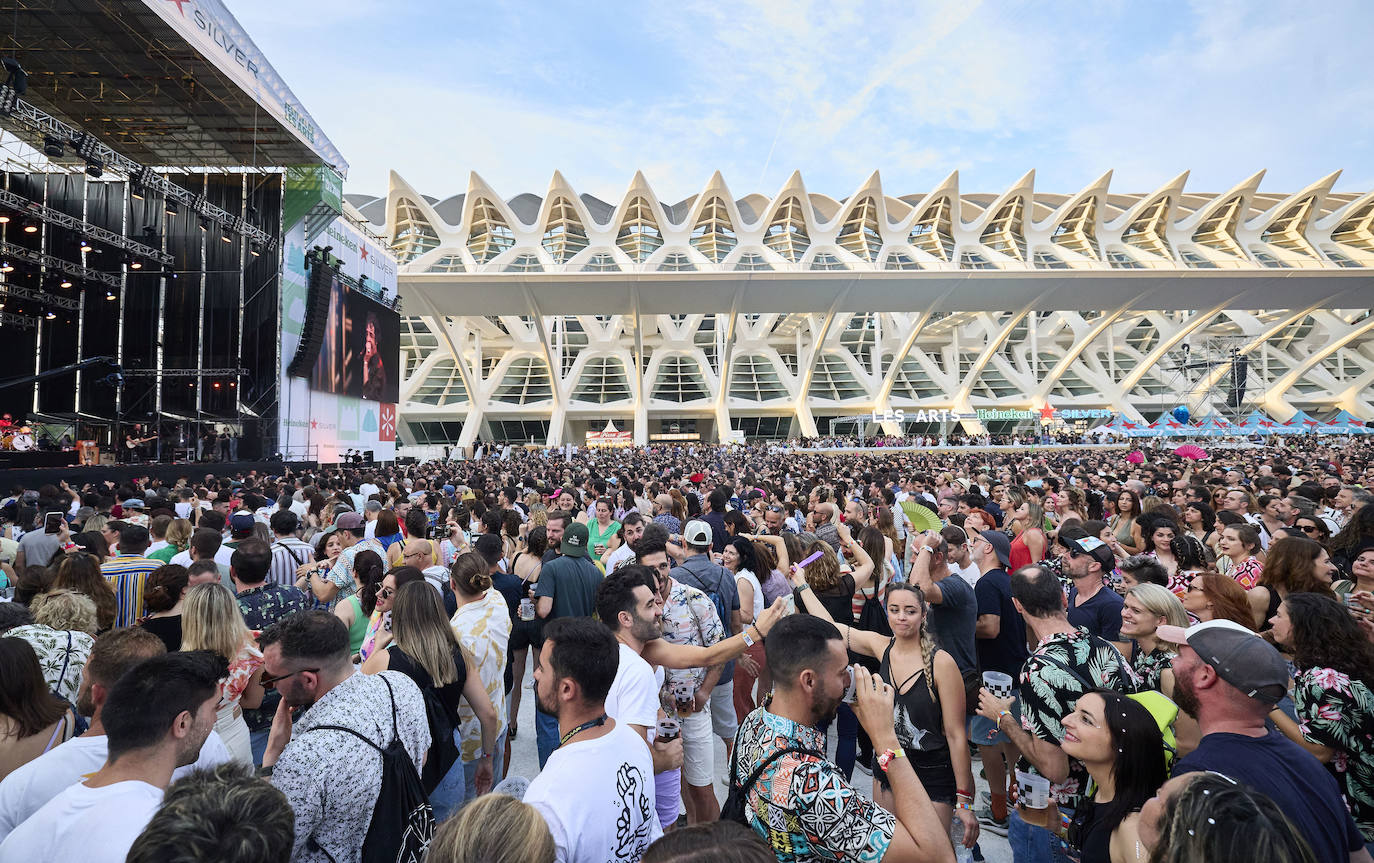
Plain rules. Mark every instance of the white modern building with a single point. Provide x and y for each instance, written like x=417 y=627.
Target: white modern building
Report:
x=547 y=317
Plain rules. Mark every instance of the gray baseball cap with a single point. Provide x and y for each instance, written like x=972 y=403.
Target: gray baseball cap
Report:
x=1240 y=657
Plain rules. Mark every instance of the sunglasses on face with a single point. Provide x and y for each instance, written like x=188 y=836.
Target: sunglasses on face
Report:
x=386 y=592
x=271 y=682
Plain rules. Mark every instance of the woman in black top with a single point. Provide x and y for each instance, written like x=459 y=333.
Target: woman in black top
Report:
x=1120 y=743
x=162 y=596
x=424 y=649
x=929 y=702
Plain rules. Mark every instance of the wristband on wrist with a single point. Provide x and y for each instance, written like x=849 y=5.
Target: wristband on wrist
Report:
x=967 y=807
x=744 y=633
x=1002 y=713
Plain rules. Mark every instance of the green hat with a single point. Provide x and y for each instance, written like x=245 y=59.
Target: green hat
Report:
x=575 y=540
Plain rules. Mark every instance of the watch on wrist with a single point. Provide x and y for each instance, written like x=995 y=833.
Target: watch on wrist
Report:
x=886 y=758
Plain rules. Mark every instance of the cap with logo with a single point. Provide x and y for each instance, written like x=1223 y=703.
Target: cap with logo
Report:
x=575 y=539
x=1094 y=548
x=697 y=533
x=1239 y=656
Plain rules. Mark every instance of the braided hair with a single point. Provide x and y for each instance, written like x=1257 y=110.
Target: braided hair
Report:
x=928 y=645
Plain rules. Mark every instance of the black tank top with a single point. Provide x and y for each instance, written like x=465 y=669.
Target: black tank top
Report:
x=918 y=722
x=449 y=695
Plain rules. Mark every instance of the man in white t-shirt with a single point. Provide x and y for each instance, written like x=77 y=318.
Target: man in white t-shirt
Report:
x=156 y=719
x=596 y=792
x=31 y=785
x=626 y=603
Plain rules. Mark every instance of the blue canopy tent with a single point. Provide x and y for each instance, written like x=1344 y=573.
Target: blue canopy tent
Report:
x=1345 y=423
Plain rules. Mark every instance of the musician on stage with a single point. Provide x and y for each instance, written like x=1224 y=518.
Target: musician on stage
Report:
x=135 y=449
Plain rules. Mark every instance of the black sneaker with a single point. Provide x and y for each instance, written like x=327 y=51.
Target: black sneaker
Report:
x=990 y=824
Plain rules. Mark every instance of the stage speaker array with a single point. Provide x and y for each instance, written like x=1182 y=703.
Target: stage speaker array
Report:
x=316 y=320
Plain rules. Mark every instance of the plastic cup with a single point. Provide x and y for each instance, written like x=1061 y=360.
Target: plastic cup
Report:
x=851 y=693
x=668 y=729
x=997 y=683
x=1035 y=790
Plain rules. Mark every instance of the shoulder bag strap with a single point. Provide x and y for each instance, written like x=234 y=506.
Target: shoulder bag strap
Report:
x=395 y=722
x=758 y=771
x=356 y=734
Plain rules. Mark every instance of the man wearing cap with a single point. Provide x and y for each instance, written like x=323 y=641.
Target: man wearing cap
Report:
x=699 y=571
x=566 y=588
x=241 y=526
x=1231 y=679
x=1091 y=605
x=338 y=583
x=1000 y=637
x=1067 y=664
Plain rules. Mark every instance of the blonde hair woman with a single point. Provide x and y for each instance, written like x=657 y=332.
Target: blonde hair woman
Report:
x=178 y=540
x=495 y=828
x=211 y=620
x=64 y=622
x=424 y=648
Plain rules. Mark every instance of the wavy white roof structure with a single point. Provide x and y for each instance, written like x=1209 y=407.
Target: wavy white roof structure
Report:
x=544 y=315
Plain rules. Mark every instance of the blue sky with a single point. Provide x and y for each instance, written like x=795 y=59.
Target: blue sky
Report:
x=759 y=88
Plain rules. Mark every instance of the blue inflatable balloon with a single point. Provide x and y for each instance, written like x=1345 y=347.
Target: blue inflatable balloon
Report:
x=1181 y=413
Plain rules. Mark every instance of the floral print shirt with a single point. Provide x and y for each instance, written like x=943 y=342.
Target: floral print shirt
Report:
x=1052 y=681
x=483 y=628
x=689 y=617
x=1338 y=712
x=265 y=605
x=1149 y=666
x=801 y=805
x=62 y=655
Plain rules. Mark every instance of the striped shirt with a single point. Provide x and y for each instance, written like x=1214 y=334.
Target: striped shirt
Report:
x=127 y=574
x=288 y=554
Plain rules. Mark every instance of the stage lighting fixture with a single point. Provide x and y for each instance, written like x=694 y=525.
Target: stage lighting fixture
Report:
x=50 y=315
x=30 y=227
x=171 y=207
x=66 y=282
x=226 y=238
x=52 y=147
x=4 y=220
x=95 y=167
x=216 y=384
x=135 y=191
x=18 y=78
x=204 y=224
x=85 y=244
x=255 y=249
x=135 y=264
x=6 y=267
x=109 y=295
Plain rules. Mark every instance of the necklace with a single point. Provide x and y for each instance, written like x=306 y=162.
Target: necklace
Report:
x=597 y=722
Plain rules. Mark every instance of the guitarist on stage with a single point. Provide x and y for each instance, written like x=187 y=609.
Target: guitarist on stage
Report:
x=134 y=446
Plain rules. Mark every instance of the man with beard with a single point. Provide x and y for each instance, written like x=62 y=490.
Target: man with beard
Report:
x=156 y=719
x=800 y=802
x=629 y=605
x=1231 y=679
x=331 y=777
x=1068 y=663
x=31 y=785
x=596 y=792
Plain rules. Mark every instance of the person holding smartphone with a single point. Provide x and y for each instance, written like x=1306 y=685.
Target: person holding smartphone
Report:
x=37 y=547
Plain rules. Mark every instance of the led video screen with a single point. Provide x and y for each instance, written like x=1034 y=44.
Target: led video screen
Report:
x=360 y=353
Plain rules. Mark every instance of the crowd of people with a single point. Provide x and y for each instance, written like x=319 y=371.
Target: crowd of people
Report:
x=1169 y=661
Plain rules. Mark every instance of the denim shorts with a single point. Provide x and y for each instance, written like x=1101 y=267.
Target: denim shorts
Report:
x=984 y=732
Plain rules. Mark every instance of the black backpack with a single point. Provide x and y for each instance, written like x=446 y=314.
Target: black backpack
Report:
x=736 y=805
x=402 y=821
x=443 y=752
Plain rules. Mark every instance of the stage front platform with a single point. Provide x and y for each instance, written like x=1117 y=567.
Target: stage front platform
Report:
x=11 y=460
x=194 y=472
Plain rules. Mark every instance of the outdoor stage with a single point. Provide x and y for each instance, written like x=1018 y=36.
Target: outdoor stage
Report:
x=76 y=475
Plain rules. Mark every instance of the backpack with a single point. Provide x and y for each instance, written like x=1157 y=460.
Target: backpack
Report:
x=443 y=752
x=736 y=805
x=402 y=821
x=712 y=591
